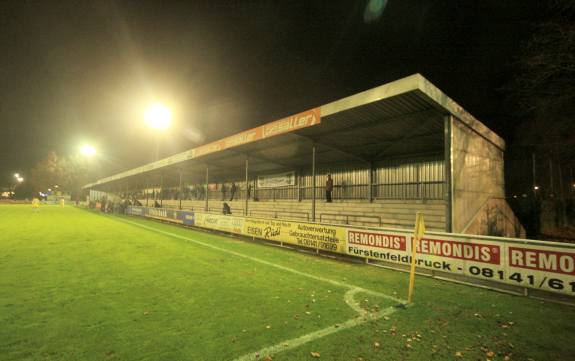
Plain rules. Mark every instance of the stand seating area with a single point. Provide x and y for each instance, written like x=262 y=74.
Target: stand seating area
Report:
x=380 y=213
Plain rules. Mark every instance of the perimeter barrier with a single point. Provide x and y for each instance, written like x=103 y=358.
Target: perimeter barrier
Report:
x=510 y=264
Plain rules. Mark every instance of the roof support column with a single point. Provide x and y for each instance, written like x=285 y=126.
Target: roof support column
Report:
x=247 y=188
x=180 y=192
x=161 y=190
x=572 y=187
x=370 y=183
x=299 y=180
x=533 y=167
x=146 y=191
x=448 y=165
x=207 y=189
x=313 y=182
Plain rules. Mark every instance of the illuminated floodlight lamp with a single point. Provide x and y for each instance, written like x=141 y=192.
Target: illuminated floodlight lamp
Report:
x=49 y=189
x=88 y=150
x=55 y=186
x=16 y=175
x=158 y=116
x=20 y=179
x=536 y=187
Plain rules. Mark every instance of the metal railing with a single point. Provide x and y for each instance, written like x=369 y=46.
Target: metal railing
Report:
x=335 y=217
x=428 y=190
x=277 y=214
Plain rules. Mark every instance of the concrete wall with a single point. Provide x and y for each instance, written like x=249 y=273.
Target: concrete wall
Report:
x=477 y=174
x=497 y=219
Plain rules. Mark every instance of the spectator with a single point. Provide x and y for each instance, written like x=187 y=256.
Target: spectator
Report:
x=328 y=188
x=249 y=191
x=223 y=190
x=157 y=204
x=233 y=191
x=226 y=209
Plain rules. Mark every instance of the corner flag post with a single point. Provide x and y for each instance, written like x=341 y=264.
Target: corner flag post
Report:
x=417 y=235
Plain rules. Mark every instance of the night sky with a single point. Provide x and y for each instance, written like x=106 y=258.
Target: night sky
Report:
x=83 y=71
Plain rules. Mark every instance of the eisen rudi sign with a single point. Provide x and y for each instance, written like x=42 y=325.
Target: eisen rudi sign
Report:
x=323 y=237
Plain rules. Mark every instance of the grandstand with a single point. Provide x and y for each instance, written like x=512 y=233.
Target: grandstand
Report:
x=392 y=150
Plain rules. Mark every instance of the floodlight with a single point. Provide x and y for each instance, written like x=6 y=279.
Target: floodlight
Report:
x=88 y=150
x=16 y=175
x=158 y=116
x=536 y=187
x=20 y=179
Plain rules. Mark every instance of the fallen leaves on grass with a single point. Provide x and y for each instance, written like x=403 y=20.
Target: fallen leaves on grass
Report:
x=376 y=344
x=458 y=354
x=315 y=354
x=268 y=358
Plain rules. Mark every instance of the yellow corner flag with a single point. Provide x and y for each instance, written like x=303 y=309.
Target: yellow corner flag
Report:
x=417 y=235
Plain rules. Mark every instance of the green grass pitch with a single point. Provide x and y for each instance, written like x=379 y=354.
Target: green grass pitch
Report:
x=77 y=285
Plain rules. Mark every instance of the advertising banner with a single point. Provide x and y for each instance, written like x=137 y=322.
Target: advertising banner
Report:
x=317 y=236
x=219 y=222
x=164 y=214
x=536 y=266
x=549 y=268
x=276 y=180
x=188 y=218
x=136 y=211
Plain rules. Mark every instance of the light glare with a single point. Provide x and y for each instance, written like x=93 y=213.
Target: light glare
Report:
x=158 y=116
x=88 y=150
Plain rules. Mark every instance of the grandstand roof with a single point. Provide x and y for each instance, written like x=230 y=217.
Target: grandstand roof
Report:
x=404 y=117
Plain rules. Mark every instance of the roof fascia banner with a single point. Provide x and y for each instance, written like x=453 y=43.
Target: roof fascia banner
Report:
x=285 y=125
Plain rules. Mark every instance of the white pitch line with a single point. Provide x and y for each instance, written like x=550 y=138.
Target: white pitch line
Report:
x=298 y=341
x=362 y=318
